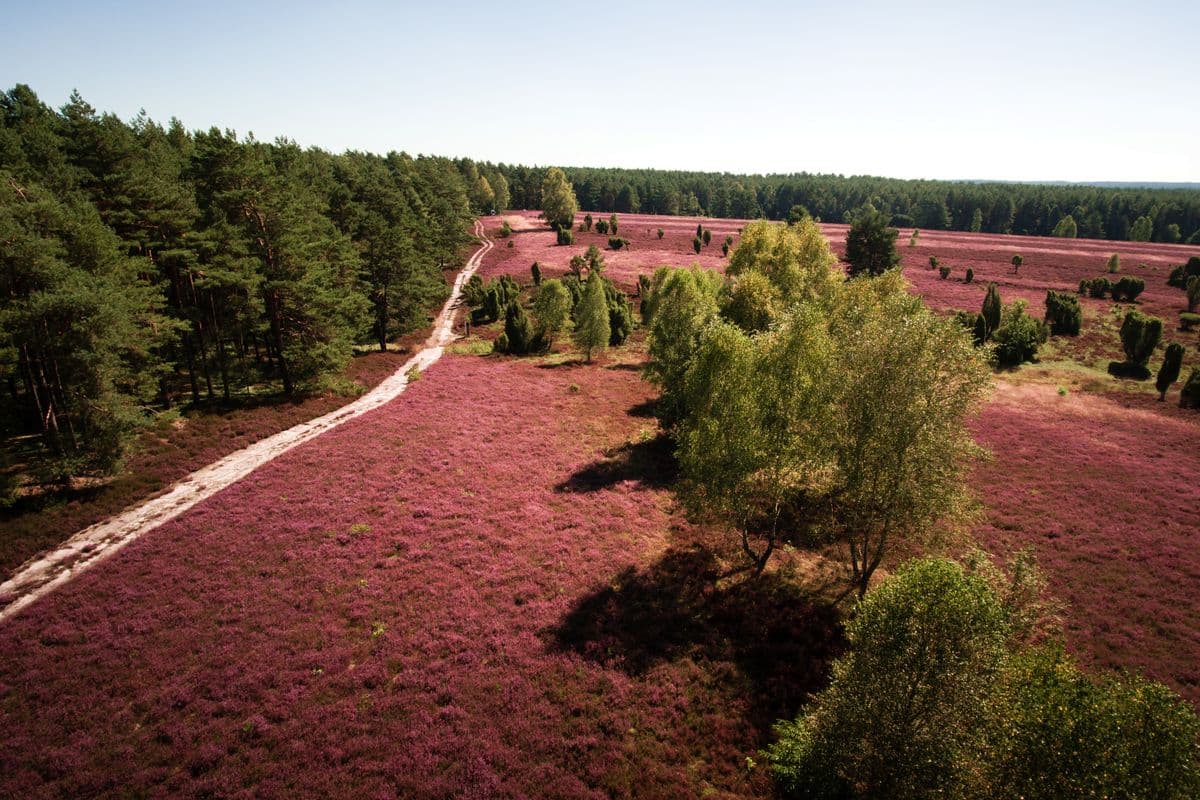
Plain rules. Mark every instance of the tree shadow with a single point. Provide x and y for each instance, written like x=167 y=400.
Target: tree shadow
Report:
x=626 y=366
x=650 y=463
x=570 y=362
x=644 y=409
x=780 y=638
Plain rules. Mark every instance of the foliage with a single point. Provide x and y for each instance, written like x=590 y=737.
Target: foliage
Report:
x=707 y=237
x=796 y=259
x=587 y=222
x=751 y=302
x=592 y=329
x=1017 y=261
x=552 y=307
x=1063 y=313
x=933 y=262
x=565 y=236
x=991 y=311
x=616 y=242
x=681 y=304
x=944 y=272
x=620 y=313
x=558 y=202
x=871 y=244
x=518 y=332
x=1168 y=373
x=1180 y=276
x=786 y=428
x=612 y=224
x=970 y=276
x=1141 y=230
x=1127 y=288
x=1139 y=336
x=601 y=226
x=696 y=244
x=1188 y=320
x=505 y=229
x=1189 y=395
x=660 y=233
x=1066 y=228
x=1193 y=293
x=535 y=272
x=901 y=715
x=1114 y=263
x=1018 y=337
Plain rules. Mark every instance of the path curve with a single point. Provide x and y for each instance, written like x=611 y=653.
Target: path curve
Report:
x=43 y=574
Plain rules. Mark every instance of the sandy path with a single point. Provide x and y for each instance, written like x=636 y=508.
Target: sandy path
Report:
x=45 y=573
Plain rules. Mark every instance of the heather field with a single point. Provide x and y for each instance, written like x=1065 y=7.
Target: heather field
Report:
x=486 y=587
x=478 y=591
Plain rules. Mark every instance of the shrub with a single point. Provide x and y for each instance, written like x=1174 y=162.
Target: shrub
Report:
x=1193 y=293
x=871 y=244
x=660 y=233
x=901 y=716
x=1084 y=286
x=501 y=343
x=552 y=307
x=592 y=318
x=933 y=262
x=1189 y=395
x=970 y=277
x=1179 y=276
x=566 y=236
x=912 y=240
x=1018 y=337
x=1128 y=288
x=517 y=330
x=643 y=285
x=616 y=242
x=700 y=230
x=944 y=272
x=587 y=222
x=979 y=330
x=602 y=227
x=473 y=291
x=707 y=236
x=1188 y=320
x=612 y=223
x=991 y=311
x=1017 y=261
x=1063 y=313
x=1168 y=373
x=492 y=304
x=1114 y=264
x=1139 y=336
x=725 y=249
x=505 y=229
x=697 y=244
x=1099 y=287
x=620 y=314
x=536 y=272
x=751 y=302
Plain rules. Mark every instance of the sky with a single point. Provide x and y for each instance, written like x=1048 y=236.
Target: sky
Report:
x=1072 y=91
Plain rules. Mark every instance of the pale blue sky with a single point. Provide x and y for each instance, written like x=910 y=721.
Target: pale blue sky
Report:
x=1022 y=90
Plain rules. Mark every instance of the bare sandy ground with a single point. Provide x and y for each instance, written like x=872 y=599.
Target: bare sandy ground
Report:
x=44 y=574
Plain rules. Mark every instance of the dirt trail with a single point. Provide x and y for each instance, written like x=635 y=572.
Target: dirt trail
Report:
x=45 y=573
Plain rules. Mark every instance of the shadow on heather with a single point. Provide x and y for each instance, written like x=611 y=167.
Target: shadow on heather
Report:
x=651 y=464
x=780 y=640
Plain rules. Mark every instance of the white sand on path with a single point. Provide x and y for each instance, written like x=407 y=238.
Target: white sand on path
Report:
x=45 y=573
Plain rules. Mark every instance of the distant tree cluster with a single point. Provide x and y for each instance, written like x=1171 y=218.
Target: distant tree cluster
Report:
x=1094 y=212
x=146 y=265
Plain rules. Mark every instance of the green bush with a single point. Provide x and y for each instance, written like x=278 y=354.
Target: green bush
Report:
x=620 y=314
x=473 y=291
x=505 y=229
x=660 y=233
x=612 y=223
x=1168 y=373
x=501 y=343
x=991 y=311
x=566 y=236
x=1018 y=337
x=1189 y=395
x=1188 y=320
x=1193 y=293
x=616 y=242
x=1114 y=264
x=536 y=272
x=970 y=277
x=517 y=330
x=552 y=306
x=1063 y=313
x=725 y=249
x=1017 y=261
x=1179 y=276
x=944 y=272
x=1099 y=287
x=1139 y=336
x=587 y=222
x=1128 y=288
x=933 y=262
x=697 y=244
x=707 y=236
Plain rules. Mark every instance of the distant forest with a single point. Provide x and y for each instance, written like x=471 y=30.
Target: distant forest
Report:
x=145 y=265
x=1095 y=211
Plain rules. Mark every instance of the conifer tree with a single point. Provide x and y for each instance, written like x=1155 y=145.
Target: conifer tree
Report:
x=592 y=329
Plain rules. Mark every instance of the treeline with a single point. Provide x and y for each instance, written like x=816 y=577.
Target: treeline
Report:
x=1138 y=214
x=146 y=265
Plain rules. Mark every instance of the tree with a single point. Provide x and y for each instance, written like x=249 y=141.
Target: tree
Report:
x=1114 y=263
x=592 y=329
x=871 y=244
x=797 y=213
x=696 y=244
x=535 y=272
x=552 y=309
x=991 y=311
x=707 y=237
x=811 y=445
x=1141 y=230
x=1168 y=373
x=559 y=205
x=1066 y=228
x=901 y=716
x=1193 y=293
x=1139 y=336
x=1063 y=313
x=1017 y=261
x=796 y=259
x=752 y=302
x=518 y=332
x=1018 y=337
x=680 y=305
x=612 y=224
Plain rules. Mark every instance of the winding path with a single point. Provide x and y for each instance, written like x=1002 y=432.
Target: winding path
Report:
x=42 y=575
